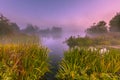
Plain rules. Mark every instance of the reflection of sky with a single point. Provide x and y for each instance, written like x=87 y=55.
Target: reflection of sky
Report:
x=57 y=45
x=59 y=12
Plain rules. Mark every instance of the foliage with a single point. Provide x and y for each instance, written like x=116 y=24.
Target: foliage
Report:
x=15 y=27
x=6 y=27
x=79 y=41
x=23 y=62
x=97 y=29
x=56 y=30
x=30 y=29
x=108 y=39
x=115 y=23
x=85 y=64
x=19 y=39
x=22 y=57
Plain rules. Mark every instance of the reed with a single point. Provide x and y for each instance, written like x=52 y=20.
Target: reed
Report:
x=84 y=64
x=23 y=60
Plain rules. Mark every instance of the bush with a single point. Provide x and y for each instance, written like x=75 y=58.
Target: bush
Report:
x=103 y=40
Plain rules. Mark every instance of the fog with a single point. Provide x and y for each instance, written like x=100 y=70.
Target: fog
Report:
x=56 y=42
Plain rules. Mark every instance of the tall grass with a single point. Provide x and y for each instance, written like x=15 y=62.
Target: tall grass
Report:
x=84 y=64
x=23 y=62
x=19 y=39
x=23 y=58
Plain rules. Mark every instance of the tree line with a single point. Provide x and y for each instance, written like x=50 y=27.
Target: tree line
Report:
x=102 y=28
x=9 y=28
x=99 y=34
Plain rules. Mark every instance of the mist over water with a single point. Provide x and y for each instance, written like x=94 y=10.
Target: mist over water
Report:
x=57 y=44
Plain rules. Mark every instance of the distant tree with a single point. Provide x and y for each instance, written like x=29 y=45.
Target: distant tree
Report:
x=15 y=27
x=115 y=23
x=56 y=29
x=31 y=29
x=44 y=31
x=97 y=29
x=79 y=41
x=5 y=26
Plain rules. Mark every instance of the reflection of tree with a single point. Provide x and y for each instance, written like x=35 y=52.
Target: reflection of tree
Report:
x=56 y=32
x=44 y=32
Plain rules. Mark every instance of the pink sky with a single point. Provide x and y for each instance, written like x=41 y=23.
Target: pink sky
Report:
x=74 y=14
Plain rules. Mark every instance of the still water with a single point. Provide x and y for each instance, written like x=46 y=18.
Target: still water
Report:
x=56 y=44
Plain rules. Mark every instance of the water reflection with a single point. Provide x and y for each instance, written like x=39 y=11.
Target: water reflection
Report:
x=55 y=42
x=57 y=47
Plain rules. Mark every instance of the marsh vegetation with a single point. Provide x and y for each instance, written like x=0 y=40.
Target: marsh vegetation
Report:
x=24 y=57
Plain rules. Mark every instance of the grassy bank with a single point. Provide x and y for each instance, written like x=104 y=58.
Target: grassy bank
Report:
x=109 y=39
x=23 y=62
x=22 y=58
x=85 y=64
x=19 y=39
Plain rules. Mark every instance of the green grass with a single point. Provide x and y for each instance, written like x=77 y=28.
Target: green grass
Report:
x=19 y=39
x=108 y=39
x=23 y=58
x=84 y=64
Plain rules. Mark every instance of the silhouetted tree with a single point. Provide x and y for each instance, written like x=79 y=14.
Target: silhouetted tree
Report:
x=97 y=29
x=56 y=29
x=15 y=27
x=115 y=23
x=31 y=29
x=4 y=26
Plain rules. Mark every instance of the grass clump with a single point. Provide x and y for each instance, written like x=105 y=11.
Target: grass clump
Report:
x=109 y=39
x=23 y=61
x=84 y=64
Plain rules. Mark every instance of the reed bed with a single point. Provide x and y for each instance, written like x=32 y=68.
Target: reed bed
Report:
x=85 y=64
x=19 y=39
x=23 y=58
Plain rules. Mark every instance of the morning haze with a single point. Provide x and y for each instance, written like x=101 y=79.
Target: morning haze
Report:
x=59 y=39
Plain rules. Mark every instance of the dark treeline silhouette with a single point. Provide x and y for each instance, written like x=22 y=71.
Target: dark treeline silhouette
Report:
x=54 y=32
x=99 y=34
x=11 y=28
x=115 y=23
x=101 y=28
x=30 y=29
x=7 y=27
x=97 y=29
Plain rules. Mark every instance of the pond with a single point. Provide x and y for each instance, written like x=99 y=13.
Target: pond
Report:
x=57 y=46
x=56 y=43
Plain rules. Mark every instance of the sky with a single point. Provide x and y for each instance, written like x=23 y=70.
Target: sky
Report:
x=70 y=14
